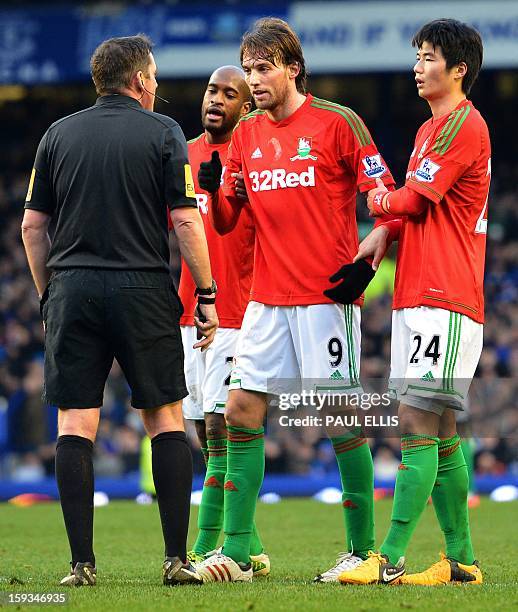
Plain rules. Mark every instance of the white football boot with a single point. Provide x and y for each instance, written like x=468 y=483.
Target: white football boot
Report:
x=345 y=562
x=220 y=568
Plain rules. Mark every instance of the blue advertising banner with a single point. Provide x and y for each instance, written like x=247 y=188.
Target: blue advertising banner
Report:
x=49 y=45
x=38 y=45
x=43 y=45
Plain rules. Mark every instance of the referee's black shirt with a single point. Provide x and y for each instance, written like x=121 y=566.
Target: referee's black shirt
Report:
x=107 y=175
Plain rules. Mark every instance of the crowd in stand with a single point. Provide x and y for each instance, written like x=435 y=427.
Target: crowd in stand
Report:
x=28 y=427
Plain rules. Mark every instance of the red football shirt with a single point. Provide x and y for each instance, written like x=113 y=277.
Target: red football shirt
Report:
x=301 y=176
x=231 y=256
x=441 y=252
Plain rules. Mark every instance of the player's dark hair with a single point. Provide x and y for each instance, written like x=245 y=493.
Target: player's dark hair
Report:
x=458 y=42
x=272 y=39
x=116 y=60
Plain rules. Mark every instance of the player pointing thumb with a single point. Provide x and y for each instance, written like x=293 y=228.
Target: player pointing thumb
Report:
x=209 y=174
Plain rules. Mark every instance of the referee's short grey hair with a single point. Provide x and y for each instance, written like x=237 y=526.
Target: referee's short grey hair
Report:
x=116 y=60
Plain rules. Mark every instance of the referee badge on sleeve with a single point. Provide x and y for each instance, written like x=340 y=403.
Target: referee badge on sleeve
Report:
x=189 y=183
x=31 y=185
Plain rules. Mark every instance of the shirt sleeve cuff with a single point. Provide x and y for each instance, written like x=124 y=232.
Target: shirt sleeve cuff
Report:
x=184 y=203
x=424 y=190
x=379 y=204
x=388 y=181
x=32 y=205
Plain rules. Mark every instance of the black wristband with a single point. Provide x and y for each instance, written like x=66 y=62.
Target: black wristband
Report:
x=207 y=291
x=206 y=300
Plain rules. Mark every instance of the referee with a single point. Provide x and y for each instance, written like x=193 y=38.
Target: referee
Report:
x=108 y=176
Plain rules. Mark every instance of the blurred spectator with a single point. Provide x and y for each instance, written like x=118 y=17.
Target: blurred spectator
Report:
x=386 y=463
x=28 y=428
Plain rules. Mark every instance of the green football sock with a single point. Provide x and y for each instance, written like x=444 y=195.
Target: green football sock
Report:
x=205 y=452
x=357 y=475
x=147 y=484
x=245 y=472
x=468 y=450
x=210 y=516
x=256 y=545
x=414 y=484
x=450 y=500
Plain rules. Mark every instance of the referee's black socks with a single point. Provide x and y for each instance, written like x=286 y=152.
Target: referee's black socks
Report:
x=75 y=480
x=172 y=473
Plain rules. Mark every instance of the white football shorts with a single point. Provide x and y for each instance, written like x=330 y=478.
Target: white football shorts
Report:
x=316 y=347
x=434 y=354
x=207 y=374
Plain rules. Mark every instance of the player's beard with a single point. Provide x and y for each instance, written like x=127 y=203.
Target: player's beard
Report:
x=225 y=126
x=275 y=99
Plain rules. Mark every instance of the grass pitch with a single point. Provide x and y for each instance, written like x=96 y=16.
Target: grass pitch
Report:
x=302 y=537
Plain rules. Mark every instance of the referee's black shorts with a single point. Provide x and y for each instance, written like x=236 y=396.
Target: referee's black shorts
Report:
x=92 y=316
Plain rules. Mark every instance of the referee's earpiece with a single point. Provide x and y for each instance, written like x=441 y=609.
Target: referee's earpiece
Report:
x=155 y=95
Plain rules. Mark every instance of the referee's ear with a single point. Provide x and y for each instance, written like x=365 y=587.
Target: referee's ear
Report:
x=140 y=80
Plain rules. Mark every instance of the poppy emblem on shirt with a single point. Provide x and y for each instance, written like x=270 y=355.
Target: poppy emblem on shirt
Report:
x=303 y=149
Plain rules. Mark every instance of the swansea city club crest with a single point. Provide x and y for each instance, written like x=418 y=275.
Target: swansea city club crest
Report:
x=303 y=149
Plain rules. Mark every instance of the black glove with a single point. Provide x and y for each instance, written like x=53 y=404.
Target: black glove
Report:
x=355 y=277
x=209 y=174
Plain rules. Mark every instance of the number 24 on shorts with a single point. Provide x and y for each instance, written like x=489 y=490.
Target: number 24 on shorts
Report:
x=431 y=351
